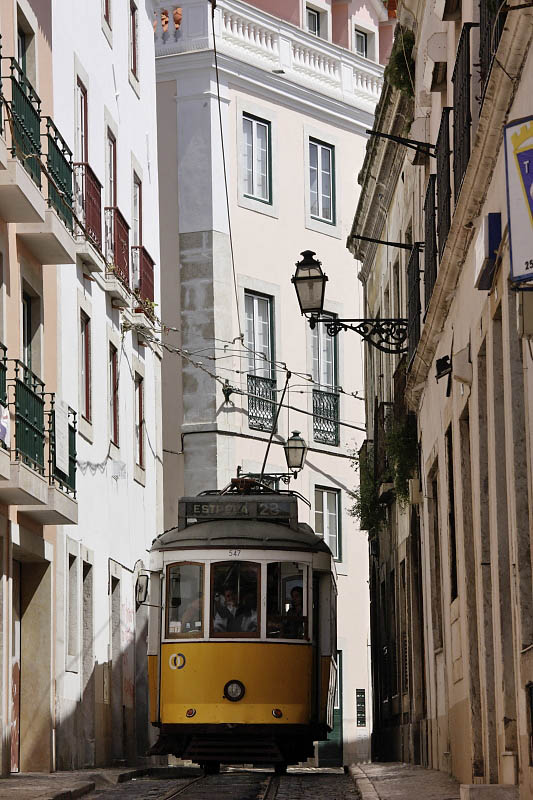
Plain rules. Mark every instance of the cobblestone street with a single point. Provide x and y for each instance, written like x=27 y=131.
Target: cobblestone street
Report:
x=238 y=784
x=395 y=781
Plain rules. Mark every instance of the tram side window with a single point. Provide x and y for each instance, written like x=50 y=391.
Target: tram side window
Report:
x=235 y=589
x=185 y=590
x=285 y=595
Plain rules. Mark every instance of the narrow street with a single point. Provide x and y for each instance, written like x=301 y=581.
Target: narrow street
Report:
x=238 y=784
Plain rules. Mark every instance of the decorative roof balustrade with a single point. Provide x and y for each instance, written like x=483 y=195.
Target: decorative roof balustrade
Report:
x=263 y=41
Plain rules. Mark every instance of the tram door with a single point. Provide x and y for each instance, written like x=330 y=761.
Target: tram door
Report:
x=15 y=672
x=330 y=753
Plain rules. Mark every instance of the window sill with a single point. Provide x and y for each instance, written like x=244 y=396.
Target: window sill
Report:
x=134 y=83
x=85 y=429
x=269 y=209
x=114 y=450
x=322 y=226
x=139 y=475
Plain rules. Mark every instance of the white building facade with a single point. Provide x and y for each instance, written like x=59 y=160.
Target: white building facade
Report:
x=236 y=212
x=109 y=372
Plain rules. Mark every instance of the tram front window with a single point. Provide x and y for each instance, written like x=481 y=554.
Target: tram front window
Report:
x=234 y=600
x=285 y=601
x=185 y=584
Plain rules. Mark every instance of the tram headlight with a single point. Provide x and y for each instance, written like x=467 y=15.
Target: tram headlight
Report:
x=234 y=690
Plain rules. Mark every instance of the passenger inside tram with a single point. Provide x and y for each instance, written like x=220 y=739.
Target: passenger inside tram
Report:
x=285 y=608
x=185 y=600
x=235 y=590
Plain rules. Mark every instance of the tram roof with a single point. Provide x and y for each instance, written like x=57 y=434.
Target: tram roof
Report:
x=238 y=533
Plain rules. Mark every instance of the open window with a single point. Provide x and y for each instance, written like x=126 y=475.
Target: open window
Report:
x=185 y=606
x=235 y=593
x=286 y=601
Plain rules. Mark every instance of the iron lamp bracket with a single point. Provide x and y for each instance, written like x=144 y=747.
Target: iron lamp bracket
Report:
x=387 y=335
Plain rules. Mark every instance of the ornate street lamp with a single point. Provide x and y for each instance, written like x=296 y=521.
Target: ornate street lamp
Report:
x=387 y=335
x=295 y=452
x=310 y=284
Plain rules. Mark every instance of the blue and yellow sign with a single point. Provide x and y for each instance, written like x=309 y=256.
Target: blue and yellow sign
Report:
x=519 y=174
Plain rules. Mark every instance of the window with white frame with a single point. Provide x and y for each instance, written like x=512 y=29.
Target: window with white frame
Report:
x=85 y=365
x=113 y=394
x=258 y=310
x=260 y=381
x=72 y=607
x=256 y=158
x=361 y=43
x=134 y=40
x=136 y=231
x=322 y=180
x=313 y=21
x=111 y=169
x=324 y=357
x=327 y=503
x=81 y=122
x=139 y=421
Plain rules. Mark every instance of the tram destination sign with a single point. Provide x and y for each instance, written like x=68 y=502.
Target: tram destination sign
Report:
x=279 y=508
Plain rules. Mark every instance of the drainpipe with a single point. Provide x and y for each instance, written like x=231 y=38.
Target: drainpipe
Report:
x=7 y=588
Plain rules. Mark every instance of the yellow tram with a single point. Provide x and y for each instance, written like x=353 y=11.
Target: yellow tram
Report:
x=242 y=631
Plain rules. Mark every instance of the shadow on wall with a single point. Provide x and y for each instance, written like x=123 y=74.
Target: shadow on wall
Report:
x=109 y=725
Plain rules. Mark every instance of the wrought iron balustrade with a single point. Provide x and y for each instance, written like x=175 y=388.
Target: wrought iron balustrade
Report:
x=3 y=374
x=117 y=234
x=66 y=482
x=491 y=24
x=444 y=189
x=326 y=417
x=430 y=239
x=261 y=402
x=462 y=111
x=143 y=273
x=25 y=111
x=59 y=165
x=385 y=415
x=29 y=417
x=88 y=202
x=413 y=301
x=3 y=395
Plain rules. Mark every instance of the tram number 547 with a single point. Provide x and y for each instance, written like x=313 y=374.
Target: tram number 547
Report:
x=234 y=553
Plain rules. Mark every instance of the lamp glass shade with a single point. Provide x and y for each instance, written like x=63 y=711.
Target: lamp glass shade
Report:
x=310 y=284
x=295 y=451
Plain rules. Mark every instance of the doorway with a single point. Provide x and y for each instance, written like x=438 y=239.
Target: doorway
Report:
x=330 y=753
x=15 y=672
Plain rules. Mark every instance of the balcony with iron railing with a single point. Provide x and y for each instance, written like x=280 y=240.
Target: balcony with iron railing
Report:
x=462 y=108
x=31 y=478
x=59 y=167
x=24 y=120
x=492 y=16
x=143 y=278
x=37 y=148
x=413 y=302
x=326 y=416
x=430 y=241
x=88 y=203
x=261 y=402
x=443 y=186
x=117 y=234
x=29 y=417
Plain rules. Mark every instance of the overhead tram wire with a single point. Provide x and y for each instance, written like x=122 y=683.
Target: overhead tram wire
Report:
x=213 y=6
x=278 y=366
x=239 y=391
